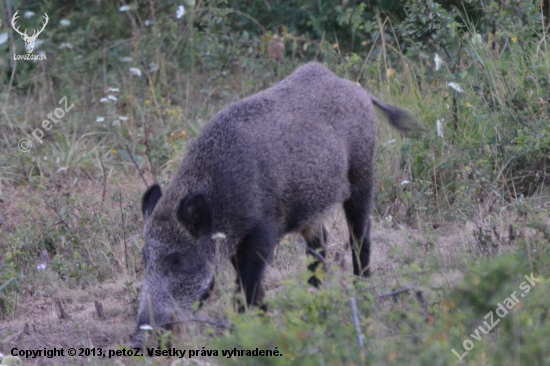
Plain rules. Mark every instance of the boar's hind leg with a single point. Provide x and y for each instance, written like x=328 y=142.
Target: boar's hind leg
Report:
x=357 y=209
x=253 y=254
x=316 y=239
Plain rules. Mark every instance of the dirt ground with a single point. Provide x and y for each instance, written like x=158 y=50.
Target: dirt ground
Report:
x=38 y=322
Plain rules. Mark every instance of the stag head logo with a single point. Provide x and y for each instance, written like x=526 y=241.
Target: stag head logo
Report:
x=29 y=40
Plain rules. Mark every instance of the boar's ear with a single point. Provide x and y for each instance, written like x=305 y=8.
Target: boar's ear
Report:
x=194 y=213
x=150 y=199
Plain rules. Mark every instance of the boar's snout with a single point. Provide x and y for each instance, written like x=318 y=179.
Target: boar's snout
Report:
x=158 y=309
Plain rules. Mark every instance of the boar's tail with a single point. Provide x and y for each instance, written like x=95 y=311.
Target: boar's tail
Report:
x=399 y=118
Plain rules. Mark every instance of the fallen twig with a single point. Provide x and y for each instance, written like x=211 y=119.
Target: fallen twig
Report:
x=397 y=292
x=99 y=310
x=419 y=297
x=62 y=313
x=360 y=336
x=355 y=316
x=26 y=330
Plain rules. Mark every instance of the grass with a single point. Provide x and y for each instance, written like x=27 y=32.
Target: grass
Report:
x=458 y=220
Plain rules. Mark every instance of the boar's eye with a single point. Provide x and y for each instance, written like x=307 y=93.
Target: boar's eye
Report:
x=175 y=262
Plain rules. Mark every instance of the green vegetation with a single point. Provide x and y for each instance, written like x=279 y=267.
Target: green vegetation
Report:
x=461 y=214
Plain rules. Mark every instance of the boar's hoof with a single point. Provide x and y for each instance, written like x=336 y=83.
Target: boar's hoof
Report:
x=139 y=340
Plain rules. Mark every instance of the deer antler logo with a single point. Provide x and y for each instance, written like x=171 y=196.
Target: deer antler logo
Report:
x=29 y=40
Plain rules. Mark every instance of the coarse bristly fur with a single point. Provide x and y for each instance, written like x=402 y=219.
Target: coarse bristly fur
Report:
x=270 y=164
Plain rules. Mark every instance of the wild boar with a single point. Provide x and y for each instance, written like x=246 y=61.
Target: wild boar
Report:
x=273 y=163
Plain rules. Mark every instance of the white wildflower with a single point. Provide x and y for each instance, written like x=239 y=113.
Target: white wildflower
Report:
x=124 y=8
x=456 y=87
x=103 y=100
x=438 y=62
x=180 y=12
x=135 y=71
x=99 y=119
x=405 y=182
x=65 y=45
x=125 y=59
x=218 y=236
x=4 y=37
x=65 y=22
x=153 y=67
x=41 y=267
x=29 y=14
x=113 y=90
x=476 y=40
x=439 y=128
x=123 y=118
x=112 y=97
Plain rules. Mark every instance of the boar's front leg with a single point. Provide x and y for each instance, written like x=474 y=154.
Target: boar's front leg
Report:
x=253 y=254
